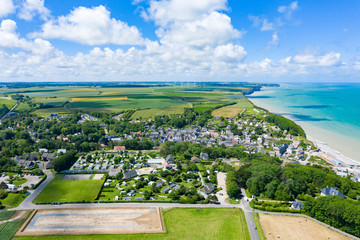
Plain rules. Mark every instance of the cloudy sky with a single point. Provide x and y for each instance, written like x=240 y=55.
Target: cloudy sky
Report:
x=179 y=40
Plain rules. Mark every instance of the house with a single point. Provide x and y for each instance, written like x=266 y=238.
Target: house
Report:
x=165 y=190
x=43 y=150
x=126 y=198
x=131 y=193
x=130 y=174
x=159 y=184
x=331 y=191
x=139 y=198
x=195 y=159
x=209 y=188
x=119 y=148
x=49 y=164
x=25 y=164
x=169 y=159
x=204 y=156
x=61 y=151
x=296 y=205
x=47 y=156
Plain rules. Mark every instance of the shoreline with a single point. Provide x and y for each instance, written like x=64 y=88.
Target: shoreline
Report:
x=323 y=147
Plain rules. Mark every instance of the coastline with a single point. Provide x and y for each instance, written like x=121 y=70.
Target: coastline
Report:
x=324 y=147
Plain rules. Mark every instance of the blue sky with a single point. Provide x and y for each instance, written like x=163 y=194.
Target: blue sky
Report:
x=180 y=40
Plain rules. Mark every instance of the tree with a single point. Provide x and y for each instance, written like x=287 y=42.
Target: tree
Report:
x=119 y=176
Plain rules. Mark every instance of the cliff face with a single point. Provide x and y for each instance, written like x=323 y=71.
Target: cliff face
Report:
x=258 y=88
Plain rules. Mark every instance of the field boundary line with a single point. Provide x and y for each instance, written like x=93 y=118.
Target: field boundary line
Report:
x=26 y=223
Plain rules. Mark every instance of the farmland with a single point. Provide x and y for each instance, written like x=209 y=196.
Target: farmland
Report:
x=289 y=227
x=201 y=224
x=60 y=190
x=148 y=101
x=10 y=222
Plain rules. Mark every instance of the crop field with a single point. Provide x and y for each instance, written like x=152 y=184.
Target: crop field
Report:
x=59 y=190
x=182 y=223
x=11 y=224
x=93 y=221
x=232 y=110
x=148 y=101
x=6 y=215
x=295 y=228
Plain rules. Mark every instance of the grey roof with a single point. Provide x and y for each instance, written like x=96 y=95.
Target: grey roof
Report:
x=126 y=198
x=130 y=174
x=297 y=205
x=331 y=191
x=169 y=158
x=209 y=188
x=139 y=198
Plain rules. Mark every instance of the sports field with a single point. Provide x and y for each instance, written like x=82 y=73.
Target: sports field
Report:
x=93 y=221
x=295 y=228
x=63 y=190
x=183 y=223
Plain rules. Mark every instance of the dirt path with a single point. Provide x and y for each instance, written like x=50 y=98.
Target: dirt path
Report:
x=17 y=216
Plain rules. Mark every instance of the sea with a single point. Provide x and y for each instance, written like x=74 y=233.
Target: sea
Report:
x=329 y=112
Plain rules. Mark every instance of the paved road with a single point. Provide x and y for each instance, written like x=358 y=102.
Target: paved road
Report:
x=27 y=203
x=12 y=109
x=249 y=217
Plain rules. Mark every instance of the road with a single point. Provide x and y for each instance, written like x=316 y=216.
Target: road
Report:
x=12 y=109
x=27 y=203
x=245 y=206
x=249 y=217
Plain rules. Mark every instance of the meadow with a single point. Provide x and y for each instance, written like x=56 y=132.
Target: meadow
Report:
x=59 y=190
x=13 y=200
x=183 y=223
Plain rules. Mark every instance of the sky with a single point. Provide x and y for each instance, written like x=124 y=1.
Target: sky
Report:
x=180 y=40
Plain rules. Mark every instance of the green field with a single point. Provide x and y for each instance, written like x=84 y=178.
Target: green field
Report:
x=8 y=229
x=149 y=101
x=6 y=215
x=9 y=103
x=13 y=200
x=70 y=191
x=181 y=223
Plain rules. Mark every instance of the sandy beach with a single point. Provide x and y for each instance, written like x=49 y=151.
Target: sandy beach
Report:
x=336 y=147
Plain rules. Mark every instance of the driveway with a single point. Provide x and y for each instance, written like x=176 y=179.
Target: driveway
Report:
x=222 y=194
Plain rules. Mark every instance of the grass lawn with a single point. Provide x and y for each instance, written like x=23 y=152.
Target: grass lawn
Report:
x=47 y=111
x=150 y=113
x=70 y=191
x=19 y=181
x=13 y=200
x=6 y=215
x=184 y=223
x=258 y=226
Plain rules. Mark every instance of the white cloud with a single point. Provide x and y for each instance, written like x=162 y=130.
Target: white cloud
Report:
x=212 y=29
x=6 y=7
x=91 y=26
x=275 y=39
x=267 y=26
x=288 y=10
x=328 y=59
x=30 y=8
x=230 y=52
x=164 y=12
x=9 y=37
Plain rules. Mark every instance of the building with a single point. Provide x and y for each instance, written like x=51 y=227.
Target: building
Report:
x=296 y=205
x=204 y=156
x=119 y=148
x=130 y=174
x=331 y=191
x=209 y=188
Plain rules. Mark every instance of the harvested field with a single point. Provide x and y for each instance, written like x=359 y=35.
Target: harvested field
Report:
x=93 y=221
x=293 y=228
x=98 y=99
x=76 y=177
x=227 y=112
x=98 y=176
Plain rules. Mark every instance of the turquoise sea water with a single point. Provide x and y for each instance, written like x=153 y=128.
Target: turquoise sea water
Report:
x=328 y=112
